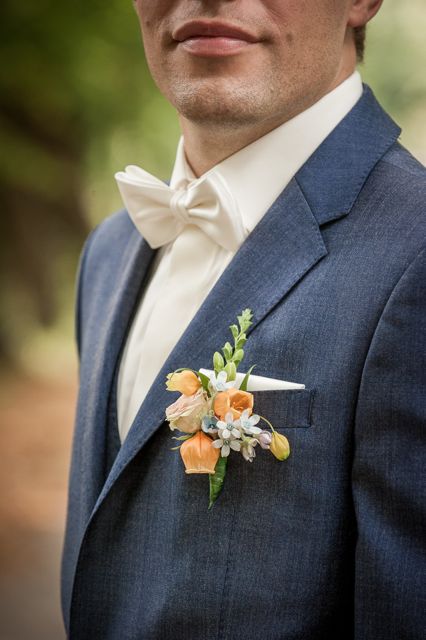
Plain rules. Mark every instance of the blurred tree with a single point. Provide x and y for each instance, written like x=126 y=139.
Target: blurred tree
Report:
x=394 y=67
x=68 y=80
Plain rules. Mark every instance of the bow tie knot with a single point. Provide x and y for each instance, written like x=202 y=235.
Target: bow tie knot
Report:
x=160 y=212
x=178 y=205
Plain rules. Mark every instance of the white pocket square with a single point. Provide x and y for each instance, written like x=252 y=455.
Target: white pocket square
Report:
x=261 y=383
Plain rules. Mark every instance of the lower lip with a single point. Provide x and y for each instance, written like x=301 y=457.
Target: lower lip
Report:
x=214 y=46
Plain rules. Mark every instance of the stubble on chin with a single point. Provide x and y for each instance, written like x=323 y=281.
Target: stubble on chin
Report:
x=221 y=103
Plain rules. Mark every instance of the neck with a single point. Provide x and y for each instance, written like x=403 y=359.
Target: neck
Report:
x=207 y=145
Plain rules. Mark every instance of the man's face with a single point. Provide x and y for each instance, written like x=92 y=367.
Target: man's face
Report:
x=239 y=62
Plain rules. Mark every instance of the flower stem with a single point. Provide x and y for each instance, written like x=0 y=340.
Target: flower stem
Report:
x=267 y=422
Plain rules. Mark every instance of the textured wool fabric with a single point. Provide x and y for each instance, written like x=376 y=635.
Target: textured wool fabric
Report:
x=184 y=271
x=328 y=544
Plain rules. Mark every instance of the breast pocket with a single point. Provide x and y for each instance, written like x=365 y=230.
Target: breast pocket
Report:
x=284 y=408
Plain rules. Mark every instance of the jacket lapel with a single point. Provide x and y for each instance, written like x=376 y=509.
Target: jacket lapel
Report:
x=124 y=286
x=334 y=175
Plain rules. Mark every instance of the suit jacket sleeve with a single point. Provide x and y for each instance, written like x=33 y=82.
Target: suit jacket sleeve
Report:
x=388 y=465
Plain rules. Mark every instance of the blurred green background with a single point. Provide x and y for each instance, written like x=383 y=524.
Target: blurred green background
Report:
x=77 y=105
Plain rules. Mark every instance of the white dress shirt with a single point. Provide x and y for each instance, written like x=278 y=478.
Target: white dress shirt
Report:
x=255 y=176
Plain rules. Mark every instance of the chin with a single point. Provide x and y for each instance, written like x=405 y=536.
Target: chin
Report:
x=228 y=106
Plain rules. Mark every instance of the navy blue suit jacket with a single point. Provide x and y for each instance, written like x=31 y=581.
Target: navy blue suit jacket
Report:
x=330 y=543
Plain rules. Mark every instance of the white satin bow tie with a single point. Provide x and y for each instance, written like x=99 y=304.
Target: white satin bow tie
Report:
x=160 y=212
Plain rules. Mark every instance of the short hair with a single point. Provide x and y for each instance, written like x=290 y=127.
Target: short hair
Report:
x=359 y=37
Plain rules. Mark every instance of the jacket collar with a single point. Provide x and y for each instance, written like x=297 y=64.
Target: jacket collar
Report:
x=335 y=174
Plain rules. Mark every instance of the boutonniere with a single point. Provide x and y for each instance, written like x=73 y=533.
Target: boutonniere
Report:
x=216 y=417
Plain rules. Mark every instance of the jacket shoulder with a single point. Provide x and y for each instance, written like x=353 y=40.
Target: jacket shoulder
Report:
x=108 y=242
x=401 y=159
x=403 y=177
x=397 y=189
x=105 y=252
x=112 y=233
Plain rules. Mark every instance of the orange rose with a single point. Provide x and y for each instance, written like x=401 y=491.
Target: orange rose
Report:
x=187 y=382
x=232 y=400
x=198 y=454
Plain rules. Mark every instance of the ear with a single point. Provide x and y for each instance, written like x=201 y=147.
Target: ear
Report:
x=362 y=11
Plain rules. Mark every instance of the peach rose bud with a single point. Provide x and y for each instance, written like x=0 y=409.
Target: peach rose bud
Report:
x=198 y=454
x=279 y=446
x=232 y=400
x=187 y=382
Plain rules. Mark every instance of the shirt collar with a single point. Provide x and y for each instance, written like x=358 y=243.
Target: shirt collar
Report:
x=258 y=173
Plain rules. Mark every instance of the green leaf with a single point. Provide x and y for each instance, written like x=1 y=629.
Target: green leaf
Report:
x=204 y=380
x=227 y=350
x=185 y=437
x=243 y=385
x=218 y=362
x=216 y=480
x=234 y=331
x=238 y=355
x=231 y=370
x=244 y=319
x=241 y=342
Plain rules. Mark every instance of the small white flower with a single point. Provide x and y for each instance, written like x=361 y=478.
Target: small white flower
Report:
x=219 y=382
x=226 y=445
x=247 y=422
x=228 y=434
x=247 y=449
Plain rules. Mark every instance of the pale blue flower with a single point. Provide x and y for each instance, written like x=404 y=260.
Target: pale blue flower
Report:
x=247 y=422
x=219 y=382
x=209 y=424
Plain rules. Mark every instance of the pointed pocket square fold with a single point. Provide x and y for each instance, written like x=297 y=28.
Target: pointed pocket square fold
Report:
x=261 y=383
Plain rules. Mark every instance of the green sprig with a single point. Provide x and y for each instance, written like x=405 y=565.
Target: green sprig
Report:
x=233 y=355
